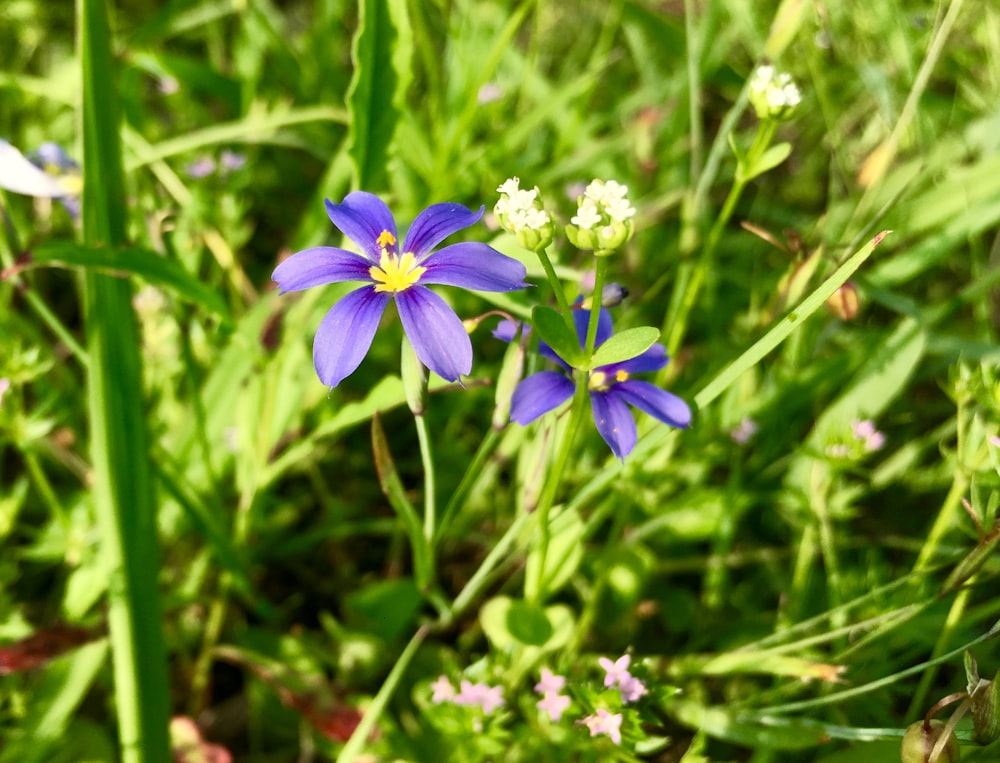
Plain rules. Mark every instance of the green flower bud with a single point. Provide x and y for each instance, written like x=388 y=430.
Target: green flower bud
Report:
x=920 y=739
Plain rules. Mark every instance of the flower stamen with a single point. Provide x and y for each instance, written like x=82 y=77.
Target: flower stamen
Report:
x=395 y=273
x=385 y=240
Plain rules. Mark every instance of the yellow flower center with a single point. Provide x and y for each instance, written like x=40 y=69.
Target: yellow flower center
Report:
x=599 y=381
x=395 y=273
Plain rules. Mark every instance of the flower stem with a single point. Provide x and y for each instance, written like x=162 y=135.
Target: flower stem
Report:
x=427 y=461
x=534 y=590
x=557 y=289
x=374 y=711
x=692 y=277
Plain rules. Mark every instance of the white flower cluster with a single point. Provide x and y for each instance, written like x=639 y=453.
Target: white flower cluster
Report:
x=603 y=199
x=603 y=219
x=773 y=94
x=519 y=208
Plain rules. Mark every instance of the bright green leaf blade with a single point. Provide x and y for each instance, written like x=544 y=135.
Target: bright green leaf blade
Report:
x=146 y=263
x=553 y=330
x=625 y=345
x=381 y=54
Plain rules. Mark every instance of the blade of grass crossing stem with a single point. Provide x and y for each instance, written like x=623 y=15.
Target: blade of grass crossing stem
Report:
x=123 y=489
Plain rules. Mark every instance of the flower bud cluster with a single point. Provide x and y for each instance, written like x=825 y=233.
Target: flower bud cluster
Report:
x=773 y=94
x=603 y=219
x=520 y=211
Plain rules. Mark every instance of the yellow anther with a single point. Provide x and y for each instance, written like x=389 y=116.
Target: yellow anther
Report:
x=385 y=239
x=395 y=274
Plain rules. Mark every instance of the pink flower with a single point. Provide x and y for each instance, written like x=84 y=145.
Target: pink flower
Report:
x=551 y=682
x=443 y=690
x=631 y=689
x=603 y=722
x=615 y=671
x=554 y=704
x=489 y=698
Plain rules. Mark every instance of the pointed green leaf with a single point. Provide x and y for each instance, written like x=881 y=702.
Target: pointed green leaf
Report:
x=625 y=345
x=770 y=159
x=154 y=268
x=382 y=52
x=553 y=329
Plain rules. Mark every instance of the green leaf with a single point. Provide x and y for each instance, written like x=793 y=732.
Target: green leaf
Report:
x=510 y=623
x=381 y=53
x=393 y=489
x=553 y=329
x=770 y=159
x=528 y=624
x=563 y=555
x=625 y=345
x=154 y=268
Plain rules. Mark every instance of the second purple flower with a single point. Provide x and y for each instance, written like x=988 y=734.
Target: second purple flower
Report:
x=398 y=273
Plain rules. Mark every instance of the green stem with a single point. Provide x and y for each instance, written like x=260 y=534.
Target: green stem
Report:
x=534 y=590
x=478 y=580
x=688 y=288
x=374 y=711
x=472 y=473
x=427 y=461
x=124 y=496
x=557 y=289
x=30 y=295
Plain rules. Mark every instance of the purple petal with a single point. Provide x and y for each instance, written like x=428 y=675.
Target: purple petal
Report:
x=474 y=266
x=362 y=217
x=657 y=402
x=320 y=265
x=436 y=333
x=652 y=359
x=343 y=338
x=539 y=394
x=615 y=423
x=435 y=224
x=604 y=327
x=506 y=330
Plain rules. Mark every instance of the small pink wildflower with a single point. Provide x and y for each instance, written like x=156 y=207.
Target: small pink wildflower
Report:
x=995 y=441
x=865 y=430
x=631 y=689
x=744 y=432
x=553 y=703
x=550 y=682
x=443 y=690
x=615 y=671
x=603 y=722
x=489 y=698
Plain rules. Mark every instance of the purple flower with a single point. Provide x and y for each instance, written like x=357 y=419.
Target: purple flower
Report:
x=611 y=388
x=390 y=272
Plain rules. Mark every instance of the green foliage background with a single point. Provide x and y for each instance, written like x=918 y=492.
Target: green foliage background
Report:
x=283 y=564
